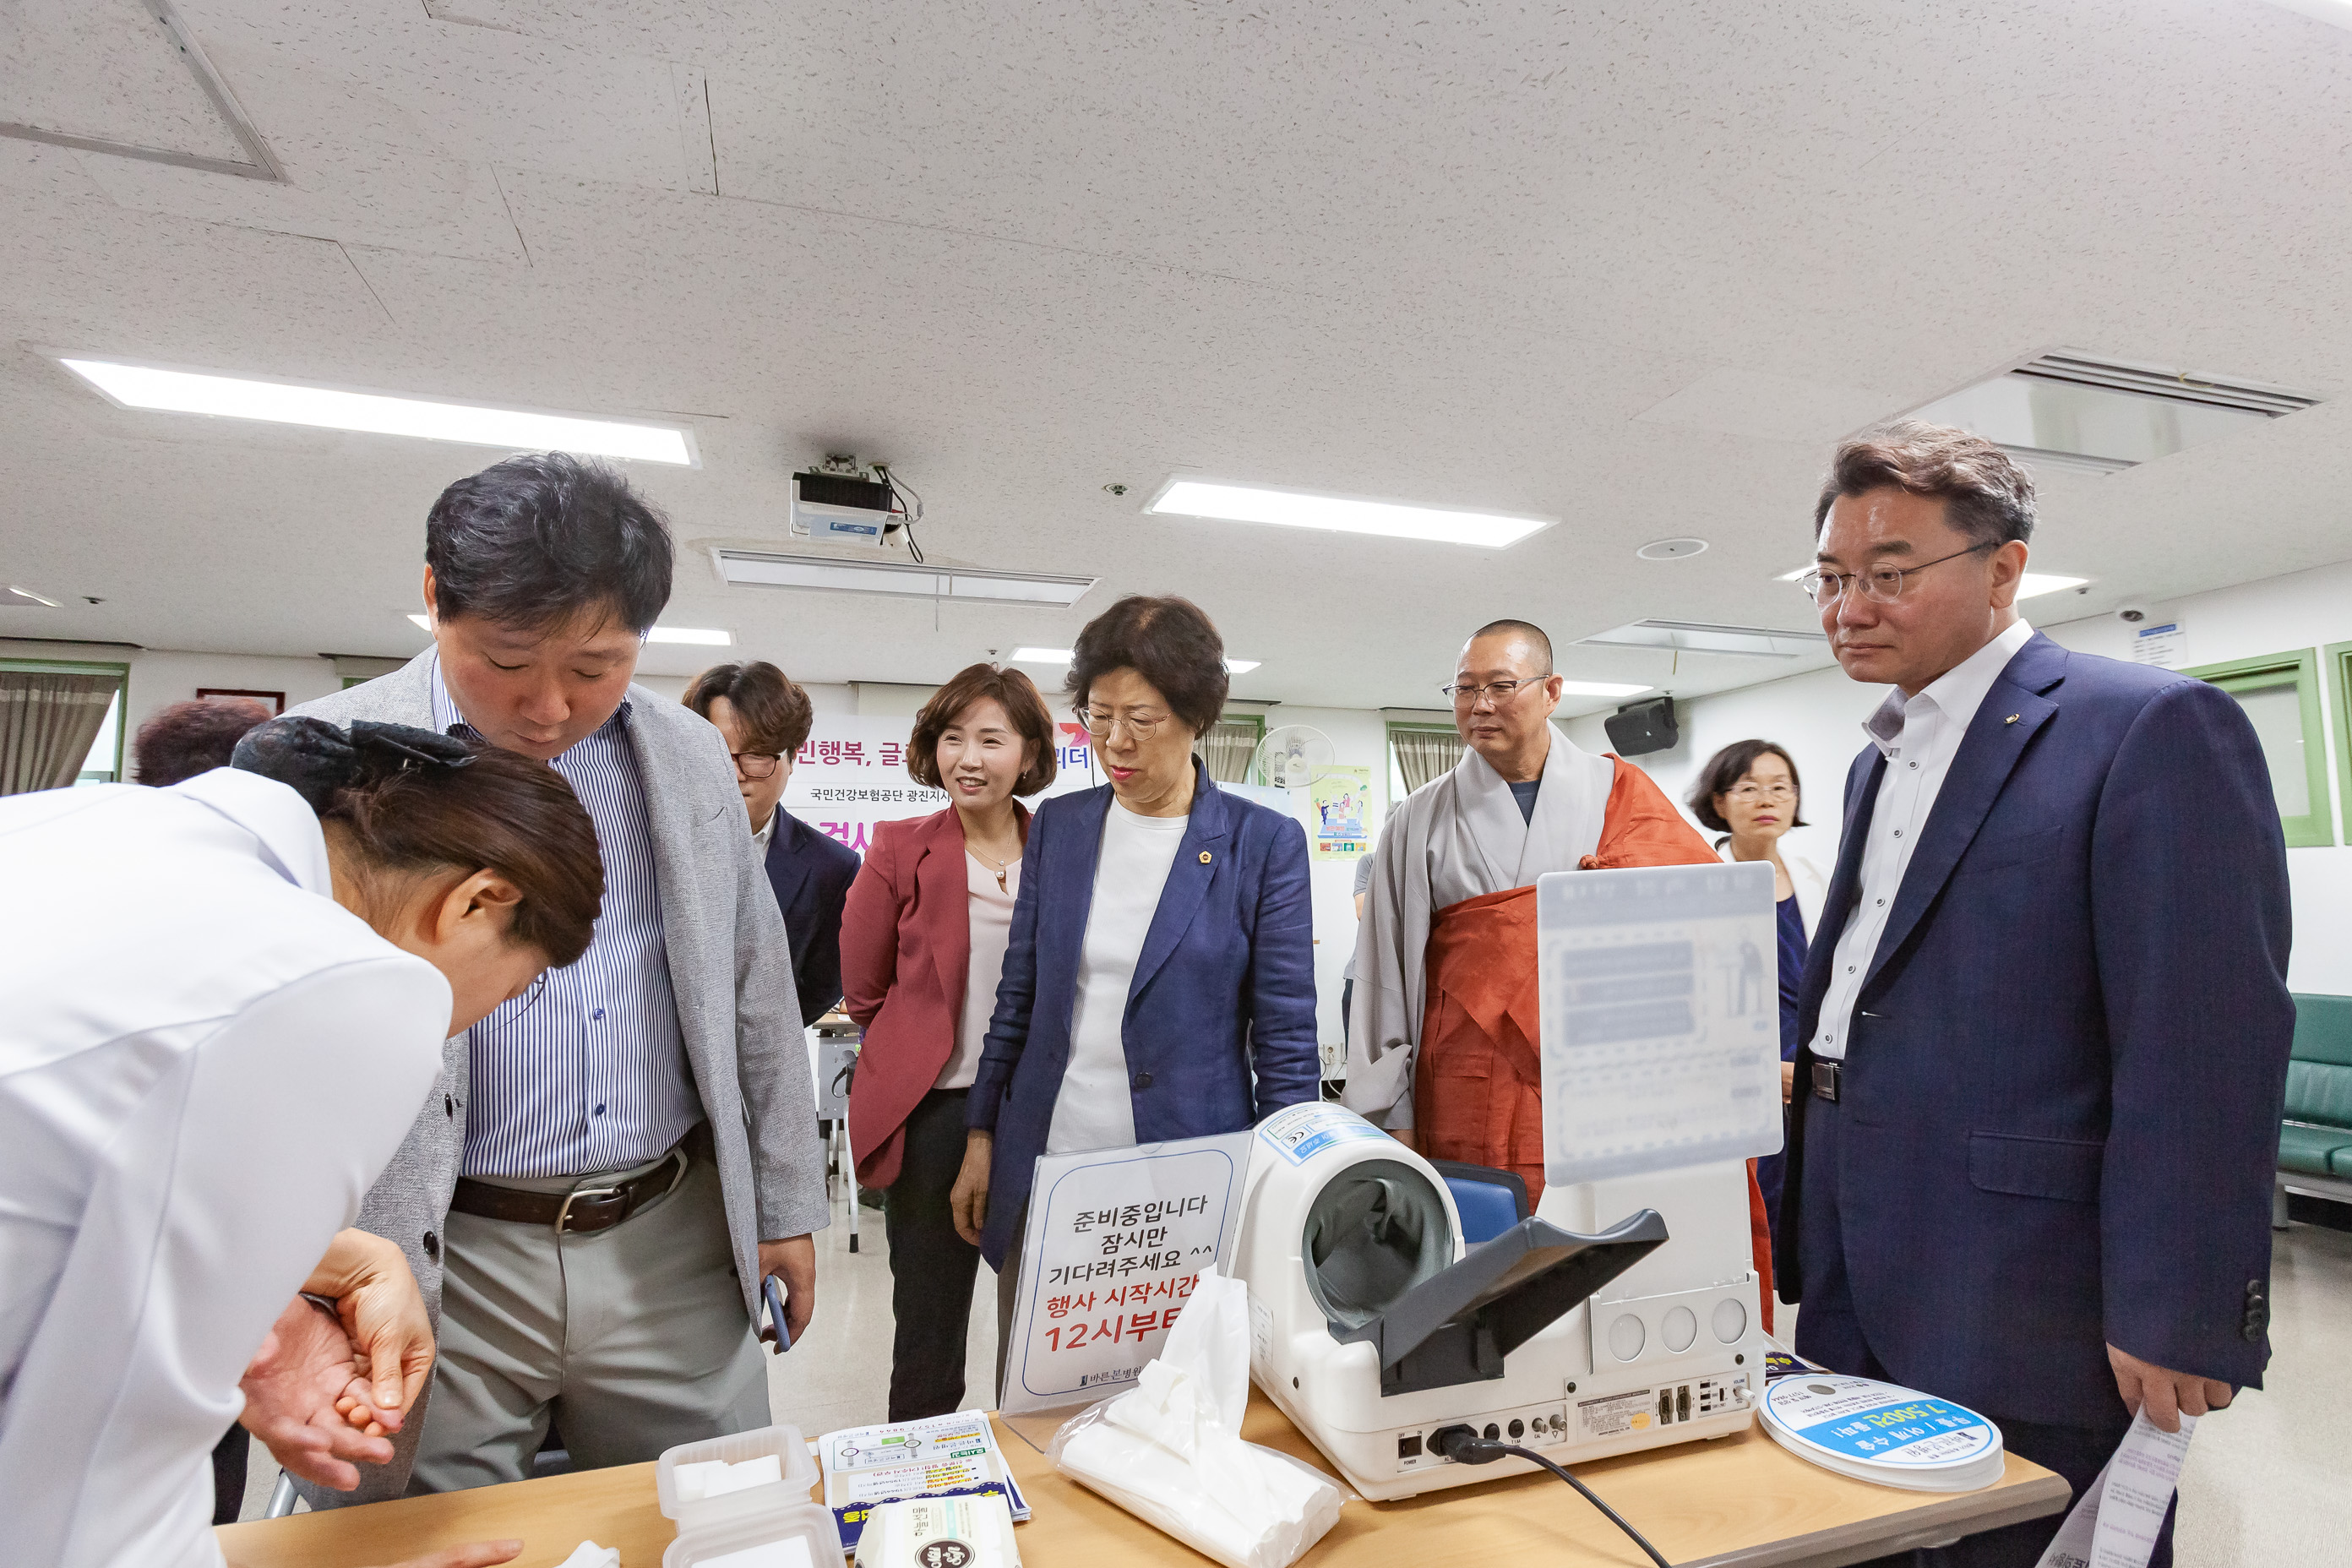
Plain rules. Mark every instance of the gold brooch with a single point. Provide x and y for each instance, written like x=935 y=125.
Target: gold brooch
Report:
x=1204 y=856
x=2011 y=719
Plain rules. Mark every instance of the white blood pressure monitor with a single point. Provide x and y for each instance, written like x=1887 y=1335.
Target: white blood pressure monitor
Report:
x=1625 y=1313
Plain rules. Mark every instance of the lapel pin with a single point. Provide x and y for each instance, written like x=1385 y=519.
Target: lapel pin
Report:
x=1204 y=856
x=2011 y=719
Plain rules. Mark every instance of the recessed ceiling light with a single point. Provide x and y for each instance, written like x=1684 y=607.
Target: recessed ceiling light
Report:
x=762 y=569
x=381 y=414
x=1063 y=656
x=2027 y=586
x=1343 y=514
x=1671 y=550
x=22 y=591
x=701 y=636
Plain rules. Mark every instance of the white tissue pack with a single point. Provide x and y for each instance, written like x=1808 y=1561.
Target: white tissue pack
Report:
x=742 y=1501
x=1170 y=1450
x=968 y=1531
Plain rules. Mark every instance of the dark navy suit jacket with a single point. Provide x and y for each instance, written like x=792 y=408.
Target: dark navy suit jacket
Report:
x=811 y=874
x=2060 y=1108
x=1220 y=1026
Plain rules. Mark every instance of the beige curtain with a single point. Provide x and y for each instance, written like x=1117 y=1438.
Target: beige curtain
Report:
x=1425 y=755
x=1227 y=747
x=48 y=721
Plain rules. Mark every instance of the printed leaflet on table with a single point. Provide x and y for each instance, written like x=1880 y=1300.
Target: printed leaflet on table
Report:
x=943 y=1456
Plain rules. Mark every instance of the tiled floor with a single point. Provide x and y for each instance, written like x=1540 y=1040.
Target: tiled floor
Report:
x=2268 y=1480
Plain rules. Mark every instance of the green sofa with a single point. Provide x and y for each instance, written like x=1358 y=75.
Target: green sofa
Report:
x=2315 y=1138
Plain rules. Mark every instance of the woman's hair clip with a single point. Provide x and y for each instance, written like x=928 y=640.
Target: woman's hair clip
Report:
x=315 y=759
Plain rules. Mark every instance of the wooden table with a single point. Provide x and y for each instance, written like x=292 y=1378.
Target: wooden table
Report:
x=1741 y=1500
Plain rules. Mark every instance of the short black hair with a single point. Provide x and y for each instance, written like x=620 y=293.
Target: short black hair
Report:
x=193 y=737
x=1169 y=642
x=538 y=540
x=1726 y=768
x=1987 y=496
x=1528 y=629
x=774 y=711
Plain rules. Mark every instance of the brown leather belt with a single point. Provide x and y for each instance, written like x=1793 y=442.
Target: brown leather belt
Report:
x=590 y=1206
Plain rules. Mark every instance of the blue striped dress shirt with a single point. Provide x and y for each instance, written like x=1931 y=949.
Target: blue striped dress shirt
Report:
x=591 y=1074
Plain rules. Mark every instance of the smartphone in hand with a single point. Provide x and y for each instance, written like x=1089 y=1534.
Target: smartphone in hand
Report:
x=775 y=1332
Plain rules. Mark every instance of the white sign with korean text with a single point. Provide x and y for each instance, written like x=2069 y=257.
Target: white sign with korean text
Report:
x=851 y=773
x=1114 y=1240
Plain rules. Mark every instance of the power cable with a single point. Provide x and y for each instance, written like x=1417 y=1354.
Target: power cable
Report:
x=1464 y=1446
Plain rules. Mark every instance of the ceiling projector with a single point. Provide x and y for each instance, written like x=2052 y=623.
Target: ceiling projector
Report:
x=843 y=503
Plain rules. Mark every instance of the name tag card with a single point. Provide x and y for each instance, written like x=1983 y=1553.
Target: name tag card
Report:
x=1114 y=1240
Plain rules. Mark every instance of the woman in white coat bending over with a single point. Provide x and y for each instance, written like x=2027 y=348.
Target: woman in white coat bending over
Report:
x=226 y=1004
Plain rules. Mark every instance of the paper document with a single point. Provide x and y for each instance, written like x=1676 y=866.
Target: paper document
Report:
x=2114 y=1525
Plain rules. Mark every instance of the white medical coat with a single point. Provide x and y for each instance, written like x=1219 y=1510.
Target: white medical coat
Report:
x=204 y=1061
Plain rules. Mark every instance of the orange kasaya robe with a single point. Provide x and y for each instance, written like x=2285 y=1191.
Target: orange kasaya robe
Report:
x=1478 y=1087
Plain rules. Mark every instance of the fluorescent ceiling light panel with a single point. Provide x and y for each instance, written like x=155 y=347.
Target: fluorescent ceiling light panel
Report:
x=381 y=414
x=763 y=569
x=1342 y=514
x=2087 y=414
x=1692 y=636
x=1599 y=688
x=700 y=637
x=1063 y=656
x=2033 y=584
x=21 y=591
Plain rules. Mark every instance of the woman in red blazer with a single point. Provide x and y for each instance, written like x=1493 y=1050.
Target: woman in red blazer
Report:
x=923 y=944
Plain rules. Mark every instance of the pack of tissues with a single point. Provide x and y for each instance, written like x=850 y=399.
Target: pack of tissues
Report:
x=717 y=1478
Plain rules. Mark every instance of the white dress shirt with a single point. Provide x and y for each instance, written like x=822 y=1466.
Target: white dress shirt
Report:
x=992 y=933
x=1918 y=736
x=205 y=1063
x=1096 y=1109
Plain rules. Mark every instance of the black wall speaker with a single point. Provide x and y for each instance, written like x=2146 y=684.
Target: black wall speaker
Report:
x=1639 y=727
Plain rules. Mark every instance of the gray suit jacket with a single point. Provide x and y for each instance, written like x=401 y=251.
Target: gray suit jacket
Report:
x=731 y=968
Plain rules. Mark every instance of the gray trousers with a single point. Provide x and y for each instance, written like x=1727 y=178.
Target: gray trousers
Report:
x=632 y=1339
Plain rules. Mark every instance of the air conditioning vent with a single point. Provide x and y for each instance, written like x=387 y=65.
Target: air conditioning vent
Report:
x=763 y=569
x=1698 y=636
x=2076 y=412
x=2155 y=381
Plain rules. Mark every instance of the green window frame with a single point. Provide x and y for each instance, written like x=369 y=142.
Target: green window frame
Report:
x=122 y=673
x=2300 y=668
x=2337 y=657
x=1247 y=721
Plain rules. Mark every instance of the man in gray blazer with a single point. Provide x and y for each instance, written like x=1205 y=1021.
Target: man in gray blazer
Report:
x=664 y=1073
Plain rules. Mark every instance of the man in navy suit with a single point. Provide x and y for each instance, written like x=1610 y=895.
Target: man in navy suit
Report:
x=766 y=718
x=2045 y=1017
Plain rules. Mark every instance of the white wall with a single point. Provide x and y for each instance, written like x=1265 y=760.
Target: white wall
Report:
x=1817 y=716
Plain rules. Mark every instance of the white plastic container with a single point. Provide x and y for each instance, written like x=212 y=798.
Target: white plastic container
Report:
x=804 y=1529
x=800 y=1473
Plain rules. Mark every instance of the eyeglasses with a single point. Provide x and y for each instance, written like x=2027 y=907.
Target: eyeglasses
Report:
x=756 y=764
x=1099 y=722
x=1883 y=584
x=1750 y=793
x=1500 y=691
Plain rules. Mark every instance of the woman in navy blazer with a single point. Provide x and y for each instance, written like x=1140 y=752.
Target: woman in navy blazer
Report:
x=1162 y=937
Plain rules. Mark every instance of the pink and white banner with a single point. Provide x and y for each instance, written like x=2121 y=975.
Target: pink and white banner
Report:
x=852 y=774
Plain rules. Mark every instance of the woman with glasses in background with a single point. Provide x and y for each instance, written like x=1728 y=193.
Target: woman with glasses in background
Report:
x=1748 y=793
x=1160 y=980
